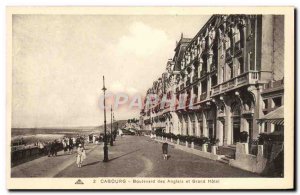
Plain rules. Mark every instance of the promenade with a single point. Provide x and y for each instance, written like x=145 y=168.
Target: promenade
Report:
x=131 y=156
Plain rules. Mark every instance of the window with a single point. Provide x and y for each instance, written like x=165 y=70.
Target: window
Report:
x=249 y=27
x=204 y=65
x=251 y=62
x=265 y=104
x=241 y=64
x=230 y=66
x=195 y=89
x=214 y=80
x=204 y=86
x=278 y=128
x=201 y=127
x=265 y=127
x=277 y=102
x=196 y=69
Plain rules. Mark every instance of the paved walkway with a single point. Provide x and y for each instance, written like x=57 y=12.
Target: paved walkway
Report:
x=131 y=156
x=47 y=166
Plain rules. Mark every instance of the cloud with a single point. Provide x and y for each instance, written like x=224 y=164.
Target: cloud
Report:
x=118 y=87
x=142 y=40
x=58 y=63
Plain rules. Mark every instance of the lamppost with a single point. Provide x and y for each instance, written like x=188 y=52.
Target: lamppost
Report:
x=111 y=126
x=105 y=149
x=117 y=128
x=114 y=127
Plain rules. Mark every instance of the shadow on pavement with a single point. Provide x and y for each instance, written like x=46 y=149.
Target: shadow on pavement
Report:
x=124 y=155
x=93 y=163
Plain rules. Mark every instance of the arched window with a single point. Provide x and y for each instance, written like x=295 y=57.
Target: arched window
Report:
x=236 y=109
x=248 y=104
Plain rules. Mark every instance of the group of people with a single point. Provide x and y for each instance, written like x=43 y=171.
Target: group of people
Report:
x=53 y=147
x=78 y=142
x=67 y=144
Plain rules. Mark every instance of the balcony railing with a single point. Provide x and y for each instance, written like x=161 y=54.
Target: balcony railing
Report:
x=240 y=80
x=215 y=90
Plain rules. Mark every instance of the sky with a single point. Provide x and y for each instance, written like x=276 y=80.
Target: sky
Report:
x=59 y=61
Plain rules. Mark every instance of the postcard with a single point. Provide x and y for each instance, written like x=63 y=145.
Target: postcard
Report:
x=170 y=98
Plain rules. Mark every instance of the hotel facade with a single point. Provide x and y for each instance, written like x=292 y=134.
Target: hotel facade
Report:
x=231 y=73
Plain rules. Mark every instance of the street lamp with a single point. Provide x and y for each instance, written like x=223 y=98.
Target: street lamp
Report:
x=105 y=149
x=111 y=126
x=114 y=126
x=117 y=128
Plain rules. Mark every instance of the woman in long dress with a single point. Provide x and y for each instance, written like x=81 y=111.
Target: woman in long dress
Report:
x=80 y=155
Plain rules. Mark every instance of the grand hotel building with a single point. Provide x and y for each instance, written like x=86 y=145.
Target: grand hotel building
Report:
x=229 y=66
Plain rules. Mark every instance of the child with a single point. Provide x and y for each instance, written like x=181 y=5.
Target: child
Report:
x=80 y=155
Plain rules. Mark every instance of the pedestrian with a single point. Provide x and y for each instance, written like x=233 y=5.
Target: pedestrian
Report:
x=49 y=147
x=54 y=148
x=71 y=145
x=80 y=155
x=165 y=150
x=41 y=147
x=65 y=145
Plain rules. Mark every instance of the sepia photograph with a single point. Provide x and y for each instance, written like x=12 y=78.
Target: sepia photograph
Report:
x=150 y=98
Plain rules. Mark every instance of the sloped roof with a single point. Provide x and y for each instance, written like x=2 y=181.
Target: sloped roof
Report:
x=274 y=117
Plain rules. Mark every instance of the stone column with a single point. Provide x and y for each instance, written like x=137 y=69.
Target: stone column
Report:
x=219 y=130
x=175 y=122
x=189 y=125
x=199 y=92
x=197 y=128
x=167 y=126
x=228 y=126
x=205 y=129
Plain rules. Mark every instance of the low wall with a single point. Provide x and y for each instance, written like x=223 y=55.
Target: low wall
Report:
x=199 y=152
x=246 y=161
x=192 y=150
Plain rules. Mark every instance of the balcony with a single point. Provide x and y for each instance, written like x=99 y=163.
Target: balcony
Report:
x=215 y=90
x=241 y=80
x=273 y=86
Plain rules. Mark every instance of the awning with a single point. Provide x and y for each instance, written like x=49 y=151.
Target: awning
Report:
x=275 y=117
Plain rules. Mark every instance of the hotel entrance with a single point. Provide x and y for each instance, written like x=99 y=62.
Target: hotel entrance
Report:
x=236 y=129
x=211 y=133
x=236 y=122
